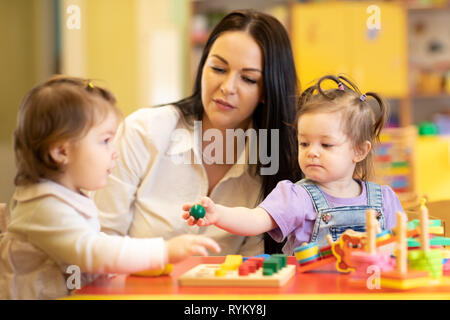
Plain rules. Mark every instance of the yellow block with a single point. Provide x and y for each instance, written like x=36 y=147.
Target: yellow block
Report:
x=304 y=254
x=445 y=253
x=155 y=272
x=232 y=262
x=404 y=284
x=436 y=230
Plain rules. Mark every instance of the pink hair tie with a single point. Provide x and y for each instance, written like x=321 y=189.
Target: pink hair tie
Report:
x=363 y=97
x=341 y=86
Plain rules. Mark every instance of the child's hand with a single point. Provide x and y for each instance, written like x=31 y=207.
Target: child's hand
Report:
x=181 y=247
x=211 y=215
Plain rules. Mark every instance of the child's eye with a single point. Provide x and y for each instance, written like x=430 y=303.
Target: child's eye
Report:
x=326 y=145
x=107 y=140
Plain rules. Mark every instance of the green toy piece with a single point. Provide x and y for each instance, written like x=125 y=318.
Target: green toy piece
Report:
x=427 y=128
x=197 y=211
x=430 y=261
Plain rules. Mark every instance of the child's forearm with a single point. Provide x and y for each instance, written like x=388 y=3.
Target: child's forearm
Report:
x=244 y=221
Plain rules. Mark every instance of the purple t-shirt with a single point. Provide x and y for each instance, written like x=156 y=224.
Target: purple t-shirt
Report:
x=292 y=209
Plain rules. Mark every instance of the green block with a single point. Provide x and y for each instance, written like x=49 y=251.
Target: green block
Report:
x=413 y=242
x=282 y=258
x=440 y=241
x=414 y=255
x=434 y=223
x=272 y=263
x=412 y=224
x=415 y=223
x=433 y=254
x=267 y=272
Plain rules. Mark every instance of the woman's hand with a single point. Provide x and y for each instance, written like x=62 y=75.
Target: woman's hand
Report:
x=211 y=213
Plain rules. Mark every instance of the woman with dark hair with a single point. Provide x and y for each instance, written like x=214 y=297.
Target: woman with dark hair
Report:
x=246 y=82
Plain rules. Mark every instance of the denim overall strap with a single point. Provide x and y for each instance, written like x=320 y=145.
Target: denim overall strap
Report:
x=319 y=201
x=375 y=201
x=336 y=220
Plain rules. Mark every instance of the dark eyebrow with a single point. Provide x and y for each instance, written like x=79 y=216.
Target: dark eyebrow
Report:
x=226 y=62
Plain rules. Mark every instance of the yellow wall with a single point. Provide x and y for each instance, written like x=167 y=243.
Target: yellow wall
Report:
x=332 y=38
x=433 y=167
x=17 y=63
x=124 y=44
x=104 y=47
x=112 y=45
x=25 y=60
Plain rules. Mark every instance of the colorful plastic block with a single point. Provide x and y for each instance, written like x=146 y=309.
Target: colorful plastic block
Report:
x=412 y=279
x=155 y=273
x=430 y=260
x=306 y=253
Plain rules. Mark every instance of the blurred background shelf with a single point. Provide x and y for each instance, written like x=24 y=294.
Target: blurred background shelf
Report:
x=147 y=52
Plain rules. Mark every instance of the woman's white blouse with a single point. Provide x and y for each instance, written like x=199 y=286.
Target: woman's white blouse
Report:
x=158 y=171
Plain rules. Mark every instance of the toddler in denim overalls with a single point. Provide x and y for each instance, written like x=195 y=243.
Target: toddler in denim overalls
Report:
x=336 y=132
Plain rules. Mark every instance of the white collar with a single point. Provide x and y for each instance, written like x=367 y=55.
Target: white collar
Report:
x=183 y=141
x=45 y=188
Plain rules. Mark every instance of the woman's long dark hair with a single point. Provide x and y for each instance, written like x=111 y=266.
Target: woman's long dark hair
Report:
x=280 y=92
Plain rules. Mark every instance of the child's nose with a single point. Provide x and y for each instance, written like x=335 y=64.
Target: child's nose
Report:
x=115 y=153
x=313 y=152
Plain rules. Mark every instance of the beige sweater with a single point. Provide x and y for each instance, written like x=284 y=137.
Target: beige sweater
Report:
x=52 y=228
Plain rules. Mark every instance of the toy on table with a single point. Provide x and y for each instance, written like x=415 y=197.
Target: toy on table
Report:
x=272 y=271
x=310 y=257
x=197 y=211
x=349 y=241
x=361 y=260
x=401 y=278
x=155 y=272
x=425 y=259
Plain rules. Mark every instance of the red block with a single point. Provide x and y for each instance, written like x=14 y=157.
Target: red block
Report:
x=243 y=270
x=258 y=262
x=251 y=265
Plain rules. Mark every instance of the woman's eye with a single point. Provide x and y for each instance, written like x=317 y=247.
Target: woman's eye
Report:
x=326 y=145
x=217 y=69
x=303 y=144
x=248 y=80
x=106 y=141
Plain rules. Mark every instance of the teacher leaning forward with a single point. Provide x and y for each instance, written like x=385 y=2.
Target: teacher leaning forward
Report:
x=178 y=153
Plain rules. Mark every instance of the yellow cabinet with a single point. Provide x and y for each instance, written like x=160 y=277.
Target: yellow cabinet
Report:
x=343 y=37
x=433 y=167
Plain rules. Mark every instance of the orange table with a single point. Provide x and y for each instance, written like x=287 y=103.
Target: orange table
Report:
x=325 y=283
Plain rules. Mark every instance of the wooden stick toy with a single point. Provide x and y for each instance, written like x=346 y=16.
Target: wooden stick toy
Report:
x=371 y=229
x=402 y=248
x=401 y=278
x=426 y=259
x=424 y=237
